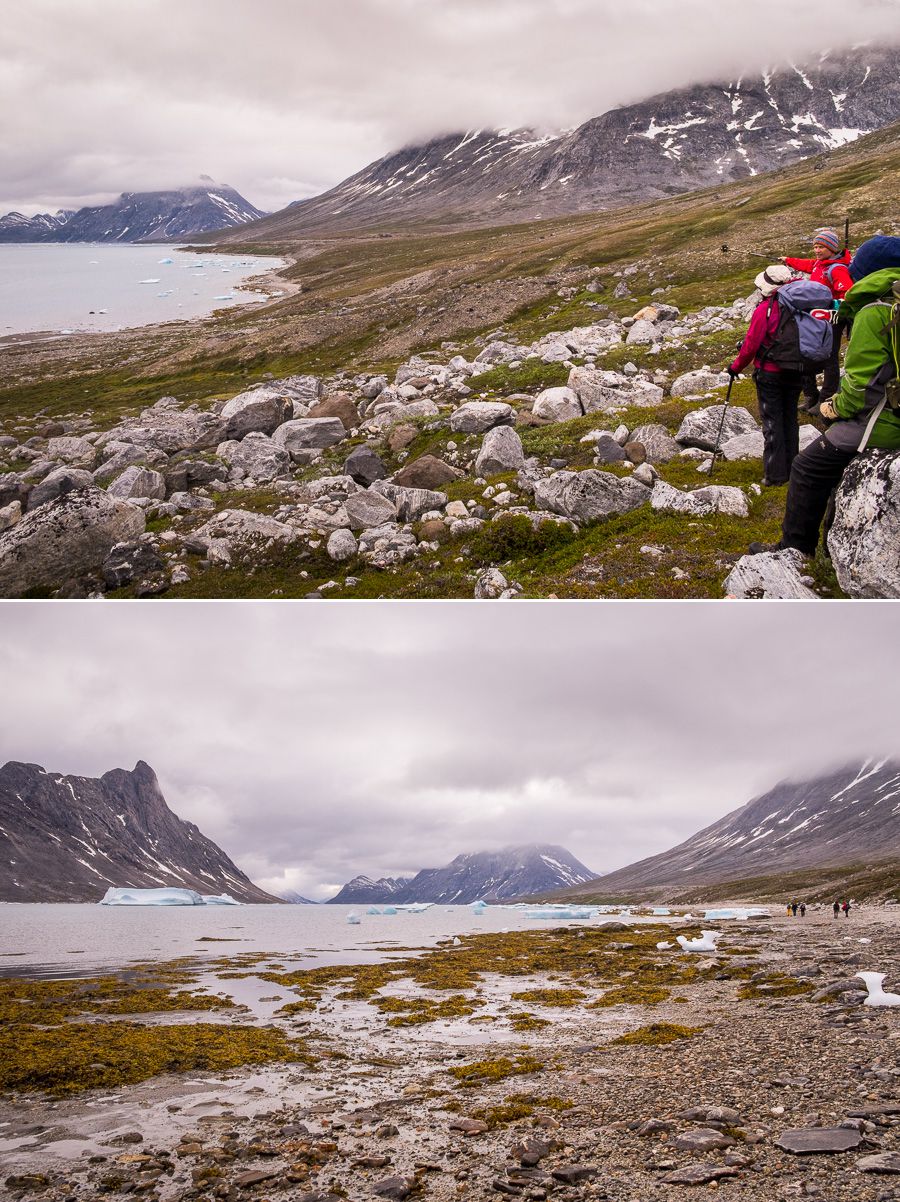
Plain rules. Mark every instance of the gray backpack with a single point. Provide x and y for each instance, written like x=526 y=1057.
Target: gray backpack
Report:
x=802 y=341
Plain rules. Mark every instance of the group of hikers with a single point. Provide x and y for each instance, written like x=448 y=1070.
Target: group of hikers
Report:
x=796 y=331
x=794 y=908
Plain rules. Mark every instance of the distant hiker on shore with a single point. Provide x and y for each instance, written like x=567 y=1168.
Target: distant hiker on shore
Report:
x=829 y=266
x=836 y=909
x=777 y=345
x=803 y=909
x=846 y=908
x=794 y=909
x=866 y=411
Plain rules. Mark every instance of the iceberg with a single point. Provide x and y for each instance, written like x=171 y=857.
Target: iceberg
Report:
x=389 y=910
x=373 y=910
x=353 y=919
x=164 y=897
x=165 y=262
x=738 y=912
x=560 y=912
x=149 y=281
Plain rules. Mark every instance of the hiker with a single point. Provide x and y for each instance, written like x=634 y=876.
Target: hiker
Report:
x=836 y=909
x=829 y=267
x=803 y=909
x=866 y=410
x=846 y=908
x=789 y=909
x=778 y=366
x=794 y=909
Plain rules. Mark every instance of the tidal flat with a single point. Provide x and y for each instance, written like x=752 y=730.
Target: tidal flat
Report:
x=576 y=1062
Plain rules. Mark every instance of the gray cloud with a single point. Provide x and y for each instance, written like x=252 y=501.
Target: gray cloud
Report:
x=314 y=742
x=283 y=98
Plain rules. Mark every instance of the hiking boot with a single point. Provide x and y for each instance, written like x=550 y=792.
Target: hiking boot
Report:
x=764 y=548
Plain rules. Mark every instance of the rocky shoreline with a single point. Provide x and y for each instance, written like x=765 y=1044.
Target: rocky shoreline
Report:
x=764 y=1075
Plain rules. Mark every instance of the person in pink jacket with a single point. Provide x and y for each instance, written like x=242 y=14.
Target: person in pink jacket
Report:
x=829 y=266
x=777 y=389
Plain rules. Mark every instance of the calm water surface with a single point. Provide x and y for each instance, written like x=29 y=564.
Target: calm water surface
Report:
x=61 y=940
x=79 y=287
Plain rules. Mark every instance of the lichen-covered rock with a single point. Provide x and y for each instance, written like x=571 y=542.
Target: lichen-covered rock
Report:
x=557 y=405
x=368 y=509
x=341 y=545
x=57 y=483
x=743 y=446
x=477 y=417
x=864 y=539
x=714 y=498
x=168 y=428
x=242 y=526
x=501 y=451
x=490 y=585
x=138 y=482
x=65 y=539
x=410 y=503
x=701 y=427
x=658 y=443
x=304 y=434
x=642 y=333
x=70 y=449
x=777 y=575
x=586 y=496
x=261 y=410
x=693 y=383
x=256 y=456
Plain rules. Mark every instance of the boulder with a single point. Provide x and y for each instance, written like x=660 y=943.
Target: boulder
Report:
x=339 y=405
x=303 y=390
x=64 y=539
x=693 y=383
x=13 y=487
x=490 y=585
x=714 y=498
x=430 y=472
x=368 y=509
x=477 y=417
x=585 y=496
x=387 y=545
x=701 y=427
x=364 y=466
x=743 y=446
x=116 y=456
x=257 y=456
x=410 y=503
x=341 y=545
x=261 y=410
x=773 y=574
x=595 y=389
x=501 y=451
x=126 y=561
x=138 y=482
x=400 y=437
x=10 y=515
x=806 y=1141
x=239 y=526
x=808 y=434
x=607 y=450
x=309 y=433
x=557 y=405
x=659 y=445
x=69 y=449
x=641 y=333
x=864 y=540
x=57 y=483
x=168 y=429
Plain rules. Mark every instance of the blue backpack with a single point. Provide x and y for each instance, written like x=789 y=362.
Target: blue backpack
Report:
x=802 y=340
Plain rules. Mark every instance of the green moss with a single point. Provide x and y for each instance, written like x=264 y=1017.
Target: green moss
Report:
x=79 y=1056
x=514 y=537
x=483 y=1072
x=658 y=1033
x=532 y=376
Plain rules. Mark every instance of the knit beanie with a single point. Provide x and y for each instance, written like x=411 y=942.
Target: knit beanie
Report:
x=874 y=255
x=828 y=238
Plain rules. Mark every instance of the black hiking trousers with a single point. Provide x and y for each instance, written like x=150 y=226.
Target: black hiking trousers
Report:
x=814 y=475
x=778 y=393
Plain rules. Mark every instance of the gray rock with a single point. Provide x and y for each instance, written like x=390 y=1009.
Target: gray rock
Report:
x=367 y=510
x=70 y=449
x=657 y=442
x=808 y=434
x=257 y=456
x=864 y=539
x=116 y=456
x=585 y=496
x=394 y=1187
x=773 y=574
x=261 y=410
x=490 y=584
x=127 y=561
x=10 y=515
x=743 y=446
x=646 y=474
x=242 y=526
x=364 y=466
x=409 y=503
x=387 y=545
x=607 y=450
x=557 y=405
x=477 y=417
x=138 y=482
x=883 y=1162
x=64 y=539
x=693 y=383
x=805 y=1141
x=309 y=433
x=699 y=1174
x=341 y=545
x=714 y=498
x=642 y=332
x=167 y=428
x=303 y=390
x=57 y=483
x=334 y=488
x=501 y=451
x=701 y=428
x=702 y=1139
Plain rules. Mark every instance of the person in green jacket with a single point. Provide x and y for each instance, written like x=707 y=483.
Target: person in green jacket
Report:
x=865 y=412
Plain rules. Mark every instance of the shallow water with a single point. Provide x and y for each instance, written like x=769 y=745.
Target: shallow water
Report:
x=79 y=287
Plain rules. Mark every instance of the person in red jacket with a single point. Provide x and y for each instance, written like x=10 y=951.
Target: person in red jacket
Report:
x=829 y=267
x=777 y=389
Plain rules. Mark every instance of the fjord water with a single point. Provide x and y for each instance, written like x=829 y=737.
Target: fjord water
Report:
x=66 y=940
x=84 y=287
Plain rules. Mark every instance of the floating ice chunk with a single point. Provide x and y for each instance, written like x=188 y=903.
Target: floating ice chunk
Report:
x=560 y=912
x=389 y=910
x=373 y=910
x=877 y=995
x=151 y=897
x=224 y=297
x=151 y=281
x=353 y=919
x=661 y=910
x=165 y=262
x=219 y=899
x=706 y=942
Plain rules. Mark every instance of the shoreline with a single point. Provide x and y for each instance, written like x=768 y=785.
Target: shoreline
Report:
x=447 y=1109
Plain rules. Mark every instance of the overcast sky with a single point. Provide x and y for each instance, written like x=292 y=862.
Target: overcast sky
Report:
x=284 y=98
x=315 y=742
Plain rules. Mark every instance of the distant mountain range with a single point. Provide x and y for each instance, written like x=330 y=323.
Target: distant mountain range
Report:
x=296 y=899
x=138 y=217
x=68 y=838
x=497 y=876
x=846 y=817
x=674 y=142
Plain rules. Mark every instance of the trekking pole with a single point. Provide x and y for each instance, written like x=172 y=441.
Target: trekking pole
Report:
x=721 y=424
x=846 y=234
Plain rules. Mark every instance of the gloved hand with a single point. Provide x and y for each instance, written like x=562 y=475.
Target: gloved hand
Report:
x=732 y=374
x=827 y=412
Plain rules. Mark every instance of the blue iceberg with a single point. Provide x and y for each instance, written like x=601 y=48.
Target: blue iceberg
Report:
x=163 y=897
